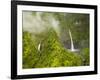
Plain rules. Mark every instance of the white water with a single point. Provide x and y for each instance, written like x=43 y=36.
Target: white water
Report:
x=72 y=44
x=39 y=46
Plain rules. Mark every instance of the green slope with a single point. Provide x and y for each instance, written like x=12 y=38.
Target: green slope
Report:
x=52 y=53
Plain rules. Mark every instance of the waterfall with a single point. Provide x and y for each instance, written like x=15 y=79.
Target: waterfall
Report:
x=39 y=46
x=72 y=44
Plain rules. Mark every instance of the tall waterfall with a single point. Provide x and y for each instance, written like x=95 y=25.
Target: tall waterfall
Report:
x=72 y=44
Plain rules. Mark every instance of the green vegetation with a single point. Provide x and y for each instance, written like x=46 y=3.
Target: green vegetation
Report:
x=53 y=51
x=85 y=54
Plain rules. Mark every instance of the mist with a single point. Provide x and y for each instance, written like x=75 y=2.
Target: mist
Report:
x=35 y=22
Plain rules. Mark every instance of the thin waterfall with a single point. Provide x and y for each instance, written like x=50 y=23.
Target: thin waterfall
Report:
x=72 y=44
x=39 y=46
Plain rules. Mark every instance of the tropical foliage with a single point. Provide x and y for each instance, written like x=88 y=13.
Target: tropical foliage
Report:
x=54 y=39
